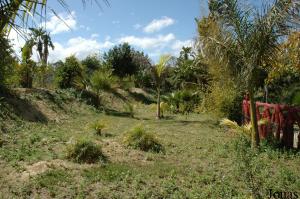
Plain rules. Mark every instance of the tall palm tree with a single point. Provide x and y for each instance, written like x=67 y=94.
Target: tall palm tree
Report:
x=252 y=38
x=158 y=74
x=11 y=10
x=42 y=40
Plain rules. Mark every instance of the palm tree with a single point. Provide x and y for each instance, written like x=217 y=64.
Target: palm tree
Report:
x=158 y=74
x=251 y=38
x=42 y=40
x=11 y=10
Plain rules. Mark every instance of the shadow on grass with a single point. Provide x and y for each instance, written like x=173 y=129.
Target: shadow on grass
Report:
x=116 y=113
x=21 y=108
x=118 y=95
x=139 y=97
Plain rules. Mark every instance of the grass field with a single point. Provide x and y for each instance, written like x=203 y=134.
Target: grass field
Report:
x=199 y=159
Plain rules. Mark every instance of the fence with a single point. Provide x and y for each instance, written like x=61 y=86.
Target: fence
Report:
x=280 y=122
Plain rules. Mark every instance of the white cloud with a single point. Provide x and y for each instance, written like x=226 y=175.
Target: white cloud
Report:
x=95 y=35
x=177 y=45
x=78 y=46
x=158 y=24
x=17 y=41
x=148 y=42
x=63 y=23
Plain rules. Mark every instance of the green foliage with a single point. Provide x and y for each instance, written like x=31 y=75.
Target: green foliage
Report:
x=250 y=167
x=129 y=108
x=7 y=61
x=127 y=82
x=189 y=71
x=103 y=80
x=108 y=173
x=91 y=64
x=69 y=73
x=84 y=151
x=143 y=77
x=26 y=72
x=121 y=60
x=98 y=126
x=138 y=138
x=53 y=180
x=224 y=100
x=184 y=101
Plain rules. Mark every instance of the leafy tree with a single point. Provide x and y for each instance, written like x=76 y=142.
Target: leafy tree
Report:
x=159 y=72
x=69 y=73
x=102 y=80
x=251 y=40
x=27 y=65
x=91 y=64
x=143 y=75
x=7 y=60
x=189 y=71
x=121 y=59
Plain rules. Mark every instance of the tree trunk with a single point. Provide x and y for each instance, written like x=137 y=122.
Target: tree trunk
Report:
x=158 y=104
x=255 y=133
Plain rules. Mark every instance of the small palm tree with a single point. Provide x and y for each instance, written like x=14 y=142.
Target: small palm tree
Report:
x=159 y=76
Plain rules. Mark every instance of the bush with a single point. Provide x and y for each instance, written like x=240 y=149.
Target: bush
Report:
x=138 y=138
x=103 y=80
x=84 y=151
x=224 y=101
x=68 y=73
x=184 y=101
x=129 y=108
x=98 y=127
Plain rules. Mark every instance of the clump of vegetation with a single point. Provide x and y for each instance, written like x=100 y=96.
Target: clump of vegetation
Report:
x=98 y=127
x=85 y=151
x=138 y=138
x=184 y=101
x=68 y=73
x=129 y=108
x=102 y=80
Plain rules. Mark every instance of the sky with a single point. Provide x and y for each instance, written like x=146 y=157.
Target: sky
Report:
x=155 y=27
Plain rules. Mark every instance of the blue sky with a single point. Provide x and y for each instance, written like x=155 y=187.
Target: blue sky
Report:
x=155 y=27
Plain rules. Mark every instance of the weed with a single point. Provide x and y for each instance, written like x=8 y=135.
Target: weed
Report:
x=138 y=138
x=84 y=151
x=98 y=126
x=129 y=108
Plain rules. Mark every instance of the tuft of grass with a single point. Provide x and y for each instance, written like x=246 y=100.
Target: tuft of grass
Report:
x=129 y=108
x=98 y=126
x=138 y=138
x=85 y=151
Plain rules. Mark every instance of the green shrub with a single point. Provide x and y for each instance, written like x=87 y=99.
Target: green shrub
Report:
x=129 y=108
x=103 y=80
x=68 y=73
x=85 y=151
x=138 y=138
x=98 y=126
x=127 y=82
x=184 y=101
x=225 y=101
